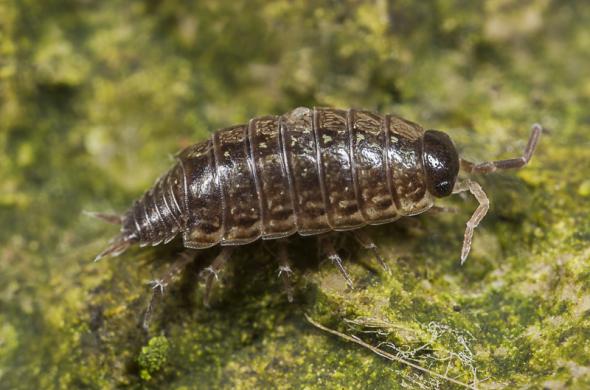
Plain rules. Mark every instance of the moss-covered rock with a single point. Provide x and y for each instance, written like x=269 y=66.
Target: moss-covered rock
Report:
x=95 y=96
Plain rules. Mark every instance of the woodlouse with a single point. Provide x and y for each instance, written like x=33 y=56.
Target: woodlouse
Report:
x=309 y=171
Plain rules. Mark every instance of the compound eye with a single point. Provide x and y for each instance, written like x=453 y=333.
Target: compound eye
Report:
x=441 y=163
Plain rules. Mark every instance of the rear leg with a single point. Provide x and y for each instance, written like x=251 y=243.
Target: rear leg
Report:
x=327 y=246
x=366 y=242
x=211 y=273
x=161 y=284
x=285 y=271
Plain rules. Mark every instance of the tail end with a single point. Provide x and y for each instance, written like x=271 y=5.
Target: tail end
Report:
x=114 y=219
x=118 y=244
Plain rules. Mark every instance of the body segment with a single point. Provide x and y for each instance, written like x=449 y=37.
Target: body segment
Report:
x=270 y=167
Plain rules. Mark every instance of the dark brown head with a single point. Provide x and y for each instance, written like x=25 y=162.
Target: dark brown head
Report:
x=441 y=163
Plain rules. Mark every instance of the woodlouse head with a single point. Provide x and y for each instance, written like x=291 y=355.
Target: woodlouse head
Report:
x=441 y=163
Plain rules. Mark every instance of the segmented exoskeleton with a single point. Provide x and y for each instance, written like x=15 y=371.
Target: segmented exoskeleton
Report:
x=308 y=171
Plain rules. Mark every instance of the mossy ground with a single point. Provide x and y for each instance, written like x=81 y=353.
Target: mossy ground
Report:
x=95 y=96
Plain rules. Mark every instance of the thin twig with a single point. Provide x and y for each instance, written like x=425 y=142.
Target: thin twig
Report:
x=385 y=354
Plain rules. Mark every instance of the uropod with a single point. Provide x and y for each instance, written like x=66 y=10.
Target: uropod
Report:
x=309 y=171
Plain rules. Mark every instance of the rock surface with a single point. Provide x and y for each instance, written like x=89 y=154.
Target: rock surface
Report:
x=95 y=96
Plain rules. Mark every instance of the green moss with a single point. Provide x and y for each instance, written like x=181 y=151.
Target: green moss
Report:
x=584 y=189
x=153 y=357
x=95 y=96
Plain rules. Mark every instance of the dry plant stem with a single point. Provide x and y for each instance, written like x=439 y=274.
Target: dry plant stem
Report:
x=386 y=354
x=481 y=211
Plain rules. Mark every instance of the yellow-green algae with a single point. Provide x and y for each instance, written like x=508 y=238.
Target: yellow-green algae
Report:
x=152 y=357
x=96 y=95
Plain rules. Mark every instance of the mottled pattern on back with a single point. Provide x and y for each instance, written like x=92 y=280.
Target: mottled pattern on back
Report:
x=368 y=152
x=302 y=156
x=308 y=171
x=205 y=220
x=241 y=204
x=338 y=189
x=404 y=151
x=277 y=212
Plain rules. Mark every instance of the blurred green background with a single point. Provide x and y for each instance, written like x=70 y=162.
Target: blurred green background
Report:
x=95 y=96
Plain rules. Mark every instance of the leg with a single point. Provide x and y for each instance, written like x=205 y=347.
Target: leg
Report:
x=159 y=285
x=443 y=209
x=513 y=163
x=285 y=271
x=211 y=273
x=335 y=258
x=478 y=215
x=365 y=241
